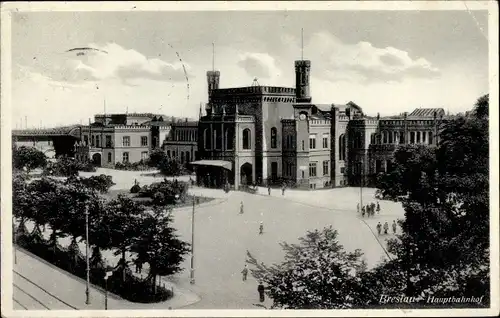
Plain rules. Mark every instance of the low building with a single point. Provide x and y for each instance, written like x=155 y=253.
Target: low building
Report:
x=181 y=143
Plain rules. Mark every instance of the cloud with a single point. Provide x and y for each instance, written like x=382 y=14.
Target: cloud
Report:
x=259 y=65
x=112 y=61
x=363 y=61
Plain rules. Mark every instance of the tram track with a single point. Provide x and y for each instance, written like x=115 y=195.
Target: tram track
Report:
x=37 y=296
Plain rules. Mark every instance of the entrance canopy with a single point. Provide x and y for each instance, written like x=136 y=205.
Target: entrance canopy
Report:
x=214 y=163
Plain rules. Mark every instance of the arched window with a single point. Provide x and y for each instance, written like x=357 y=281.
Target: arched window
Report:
x=390 y=137
x=217 y=139
x=373 y=138
x=246 y=138
x=396 y=137
x=384 y=135
x=188 y=157
x=229 y=138
x=378 y=139
x=207 y=139
x=182 y=156
x=357 y=140
x=274 y=137
x=342 y=147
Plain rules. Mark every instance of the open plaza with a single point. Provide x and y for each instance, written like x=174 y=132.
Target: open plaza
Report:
x=222 y=237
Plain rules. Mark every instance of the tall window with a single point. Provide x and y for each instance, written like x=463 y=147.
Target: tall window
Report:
x=207 y=139
x=108 y=142
x=125 y=157
x=418 y=137
x=168 y=153
x=396 y=137
x=312 y=141
x=97 y=141
x=144 y=155
x=373 y=138
x=390 y=137
x=431 y=139
x=412 y=137
x=384 y=134
x=378 y=140
x=229 y=138
x=126 y=142
x=93 y=140
x=246 y=138
x=342 y=147
x=217 y=139
x=325 y=167
x=182 y=156
x=312 y=169
x=109 y=157
x=274 y=137
x=85 y=140
x=402 y=138
x=144 y=141
x=357 y=140
x=325 y=141
x=302 y=144
x=188 y=157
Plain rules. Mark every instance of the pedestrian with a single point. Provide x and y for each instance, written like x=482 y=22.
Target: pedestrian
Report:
x=379 y=228
x=378 y=208
x=372 y=206
x=363 y=211
x=245 y=272
x=268 y=189
x=368 y=211
x=241 y=207
x=260 y=289
x=261 y=228
x=386 y=227
x=394 y=226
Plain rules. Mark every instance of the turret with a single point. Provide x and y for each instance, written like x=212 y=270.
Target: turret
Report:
x=213 y=78
x=302 y=74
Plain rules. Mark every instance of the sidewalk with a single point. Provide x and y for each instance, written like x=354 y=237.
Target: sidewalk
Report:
x=71 y=289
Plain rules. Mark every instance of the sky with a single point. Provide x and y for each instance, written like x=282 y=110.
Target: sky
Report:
x=387 y=62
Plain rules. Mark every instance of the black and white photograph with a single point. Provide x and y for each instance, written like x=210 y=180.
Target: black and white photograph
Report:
x=245 y=158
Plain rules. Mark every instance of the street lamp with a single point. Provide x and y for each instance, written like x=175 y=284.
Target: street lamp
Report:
x=106 y=289
x=87 y=296
x=192 y=242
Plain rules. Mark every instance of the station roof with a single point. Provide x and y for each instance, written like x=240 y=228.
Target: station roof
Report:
x=214 y=163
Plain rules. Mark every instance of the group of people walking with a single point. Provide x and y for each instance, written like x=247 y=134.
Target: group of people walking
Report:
x=386 y=228
x=283 y=188
x=369 y=209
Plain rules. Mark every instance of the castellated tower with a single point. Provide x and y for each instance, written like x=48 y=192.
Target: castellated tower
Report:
x=302 y=74
x=213 y=78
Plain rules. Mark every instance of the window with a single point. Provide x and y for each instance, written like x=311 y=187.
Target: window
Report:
x=384 y=134
x=396 y=137
x=108 y=142
x=302 y=144
x=312 y=141
x=342 y=147
x=325 y=141
x=182 y=156
x=418 y=137
x=373 y=138
x=246 y=138
x=126 y=141
x=85 y=140
x=431 y=140
x=423 y=137
x=402 y=138
x=325 y=167
x=378 y=139
x=144 y=141
x=342 y=170
x=168 y=153
x=125 y=157
x=391 y=135
x=93 y=140
x=274 y=137
x=217 y=139
x=412 y=137
x=302 y=174
x=109 y=157
x=207 y=139
x=144 y=155
x=188 y=157
x=378 y=166
x=229 y=138
x=312 y=169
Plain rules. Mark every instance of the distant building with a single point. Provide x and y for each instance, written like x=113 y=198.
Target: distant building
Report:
x=182 y=142
x=121 y=138
x=270 y=135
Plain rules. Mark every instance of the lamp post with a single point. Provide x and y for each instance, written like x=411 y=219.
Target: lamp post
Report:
x=108 y=274
x=87 y=292
x=192 y=242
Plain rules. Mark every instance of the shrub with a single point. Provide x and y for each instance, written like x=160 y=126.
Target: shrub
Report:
x=135 y=188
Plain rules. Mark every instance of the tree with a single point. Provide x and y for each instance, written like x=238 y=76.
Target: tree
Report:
x=156 y=157
x=123 y=216
x=171 y=167
x=444 y=247
x=28 y=157
x=158 y=245
x=100 y=183
x=316 y=274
